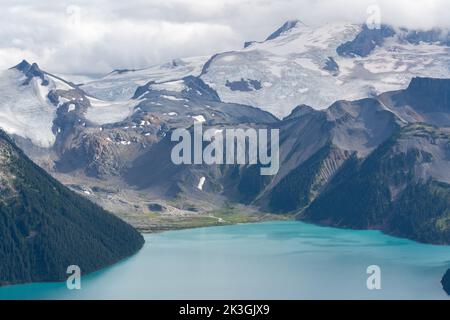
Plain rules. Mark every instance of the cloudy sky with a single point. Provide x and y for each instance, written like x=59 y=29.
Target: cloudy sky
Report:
x=97 y=36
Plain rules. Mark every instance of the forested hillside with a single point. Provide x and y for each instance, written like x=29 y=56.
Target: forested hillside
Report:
x=45 y=227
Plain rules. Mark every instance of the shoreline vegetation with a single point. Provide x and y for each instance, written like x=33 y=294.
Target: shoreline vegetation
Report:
x=156 y=223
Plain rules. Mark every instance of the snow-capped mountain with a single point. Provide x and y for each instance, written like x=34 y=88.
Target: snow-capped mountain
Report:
x=50 y=117
x=122 y=84
x=316 y=66
x=299 y=64
x=296 y=65
x=337 y=94
x=33 y=102
x=25 y=109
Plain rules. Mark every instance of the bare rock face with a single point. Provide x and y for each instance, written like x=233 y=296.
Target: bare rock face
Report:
x=425 y=100
x=100 y=154
x=331 y=66
x=102 y=157
x=365 y=42
x=31 y=71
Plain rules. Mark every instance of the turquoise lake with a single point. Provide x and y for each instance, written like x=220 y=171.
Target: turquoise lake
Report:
x=275 y=260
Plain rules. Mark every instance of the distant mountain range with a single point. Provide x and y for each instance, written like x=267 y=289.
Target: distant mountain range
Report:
x=299 y=64
x=364 y=119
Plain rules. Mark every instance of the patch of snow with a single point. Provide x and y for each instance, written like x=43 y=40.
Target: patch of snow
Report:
x=303 y=90
x=62 y=100
x=175 y=86
x=201 y=183
x=229 y=58
x=199 y=118
x=122 y=86
x=59 y=84
x=172 y=98
x=104 y=112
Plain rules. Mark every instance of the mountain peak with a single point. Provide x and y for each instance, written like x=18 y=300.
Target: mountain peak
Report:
x=300 y=111
x=288 y=25
x=418 y=83
x=430 y=95
x=23 y=66
x=31 y=71
x=365 y=41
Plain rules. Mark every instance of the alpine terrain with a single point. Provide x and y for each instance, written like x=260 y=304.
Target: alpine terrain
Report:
x=363 y=114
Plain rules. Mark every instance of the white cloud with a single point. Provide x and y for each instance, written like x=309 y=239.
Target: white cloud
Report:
x=98 y=36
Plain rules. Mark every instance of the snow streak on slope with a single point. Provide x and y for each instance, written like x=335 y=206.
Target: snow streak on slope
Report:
x=121 y=85
x=25 y=109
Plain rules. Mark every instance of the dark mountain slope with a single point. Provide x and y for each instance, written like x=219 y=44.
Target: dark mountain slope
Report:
x=425 y=100
x=402 y=188
x=45 y=227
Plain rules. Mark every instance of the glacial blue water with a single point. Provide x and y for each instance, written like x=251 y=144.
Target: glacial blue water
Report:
x=274 y=260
